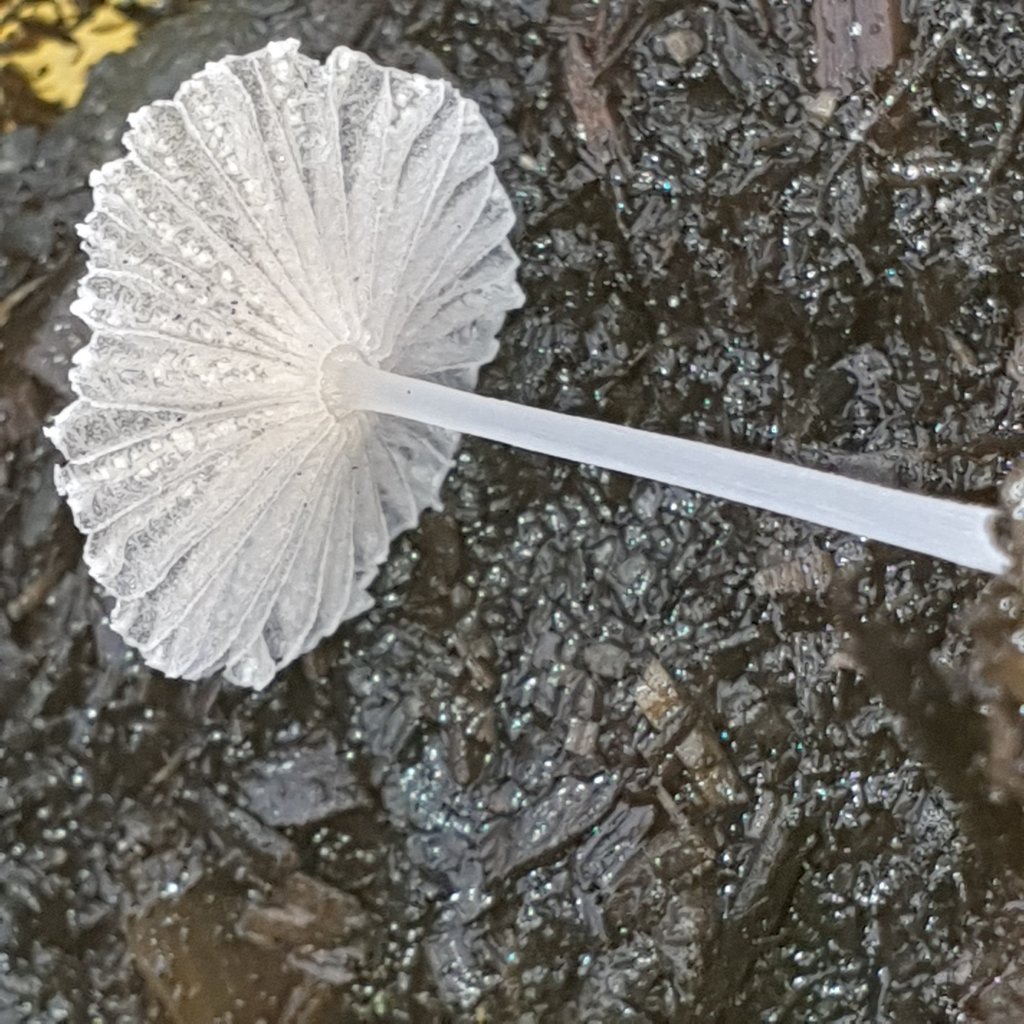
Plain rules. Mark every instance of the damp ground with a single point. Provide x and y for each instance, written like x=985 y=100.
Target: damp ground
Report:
x=603 y=750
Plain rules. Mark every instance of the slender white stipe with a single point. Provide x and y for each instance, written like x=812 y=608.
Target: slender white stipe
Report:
x=954 y=531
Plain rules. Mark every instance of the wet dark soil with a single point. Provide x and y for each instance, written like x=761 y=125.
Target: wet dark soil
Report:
x=603 y=750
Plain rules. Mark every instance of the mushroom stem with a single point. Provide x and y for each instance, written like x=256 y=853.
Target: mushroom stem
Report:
x=939 y=527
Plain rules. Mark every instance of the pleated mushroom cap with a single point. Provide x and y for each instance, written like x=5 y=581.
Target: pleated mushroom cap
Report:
x=276 y=219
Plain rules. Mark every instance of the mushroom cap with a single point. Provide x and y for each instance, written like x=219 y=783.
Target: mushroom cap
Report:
x=276 y=218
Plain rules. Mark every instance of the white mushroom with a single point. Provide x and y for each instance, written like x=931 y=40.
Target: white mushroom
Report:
x=294 y=277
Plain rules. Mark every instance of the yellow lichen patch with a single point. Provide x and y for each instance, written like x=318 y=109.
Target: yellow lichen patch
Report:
x=53 y=46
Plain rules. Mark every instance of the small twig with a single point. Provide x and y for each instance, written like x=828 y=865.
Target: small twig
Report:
x=171 y=765
x=892 y=96
x=1004 y=146
x=16 y=297
x=36 y=592
x=602 y=392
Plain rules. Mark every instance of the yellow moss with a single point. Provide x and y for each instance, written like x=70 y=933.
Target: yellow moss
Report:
x=58 y=70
